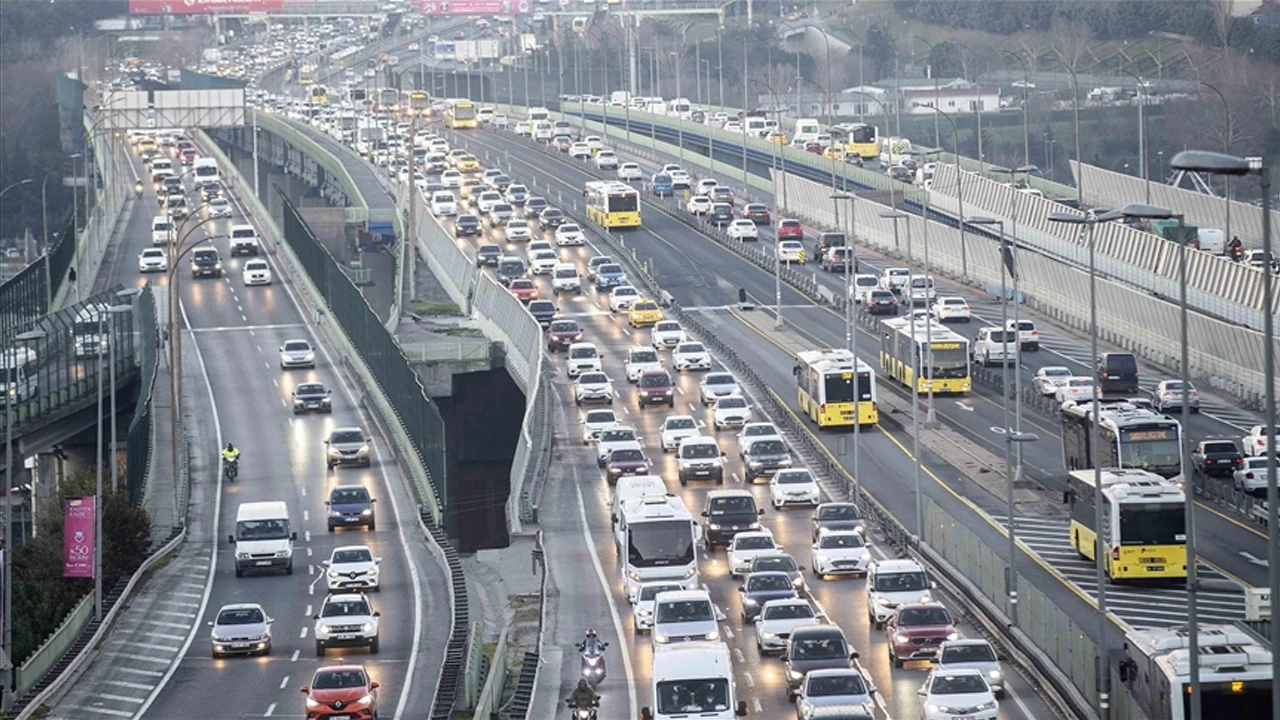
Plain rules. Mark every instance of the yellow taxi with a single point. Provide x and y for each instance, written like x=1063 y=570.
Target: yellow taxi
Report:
x=644 y=312
x=834 y=152
x=777 y=138
x=468 y=164
x=469 y=186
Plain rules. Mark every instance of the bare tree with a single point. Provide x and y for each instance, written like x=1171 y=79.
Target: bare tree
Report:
x=1223 y=12
x=1071 y=41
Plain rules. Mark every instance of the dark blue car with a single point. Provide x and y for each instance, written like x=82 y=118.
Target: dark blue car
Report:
x=662 y=186
x=351 y=506
x=760 y=588
x=610 y=275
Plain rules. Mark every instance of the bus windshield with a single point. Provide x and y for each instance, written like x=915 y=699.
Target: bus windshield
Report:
x=950 y=363
x=623 y=203
x=464 y=111
x=1161 y=451
x=863 y=134
x=1152 y=524
x=839 y=387
x=657 y=544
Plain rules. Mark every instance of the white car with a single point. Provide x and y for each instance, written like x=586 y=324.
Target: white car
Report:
x=1251 y=477
x=639 y=359
x=746 y=546
x=595 y=422
x=351 y=567
x=643 y=601
x=613 y=438
x=690 y=355
x=579 y=150
x=698 y=205
x=679 y=180
x=716 y=385
x=951 y=307
x=517 y=229
x=219 y=208
x=594 y=142
x=752 y=432
x=777 y=619
x=839 y=552
x=606 y=160
x=743 y=230
x=1078 y=388
x=153 y=260
x=1255 y=443
x=1028 y=335
x=538 y=245
x=962 y=688
x=487 y=200
x=543 y=262
x=593 y=387
x=976 y=654
x=790 y=251
x=444 y=203
x=731 y=412
x=864 y=284
x=675 y=428
x=451 y=178
x=583 y=357
x=257 y=272
x=524 y=127
x=346 y=620
x=795 y=486
x=705 y=186
x=565 y=278
x=895 y=278
x=667 y=334
x=622 y=298
x=629 y=171
x=1051 y=377
x=297 y=353
x=570 y=234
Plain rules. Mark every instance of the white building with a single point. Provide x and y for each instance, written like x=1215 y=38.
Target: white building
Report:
x=916 y=95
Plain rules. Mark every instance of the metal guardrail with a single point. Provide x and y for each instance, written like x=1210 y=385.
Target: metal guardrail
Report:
x=490 y=696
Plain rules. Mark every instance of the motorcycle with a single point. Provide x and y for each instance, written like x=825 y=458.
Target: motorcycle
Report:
x=231 y=468
x=580 y=712
x=593 y=663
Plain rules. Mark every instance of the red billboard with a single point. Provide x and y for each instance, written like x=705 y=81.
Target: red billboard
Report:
x=474 y=7
x=202 y=7
x=77 y=537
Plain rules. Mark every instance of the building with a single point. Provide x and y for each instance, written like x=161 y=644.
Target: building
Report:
x=952 y=95
x=917 y=95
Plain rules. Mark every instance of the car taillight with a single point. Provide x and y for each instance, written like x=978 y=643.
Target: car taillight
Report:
x=1249 y=475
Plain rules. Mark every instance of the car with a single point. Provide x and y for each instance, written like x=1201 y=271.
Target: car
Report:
x=583 y=357
x=951 y=307
x=790 y=230
x=346 y=620
x=839 y=259
x=895 y=279
x=917 y=630
x=742 y=230
x=341 y=691
x=206 y=263
x=757 y=213
x=731 y=411
x=891 y=583
x=679 y=179
x=593 y=265
x=606 y=160
x=880 y=302
x=595 y=422
x=642 y=604
x=244 y=241
x=1028 y=335
x=523 y=127
x=1051 y=377
x=973 y=654
x=666 y=334
x=790 y=251
x=551 y=218
x=662 y=184
x=1077 y=387
x=815 y=647
x=763 y=457
x=256 y=272
x=544 y=311
x=629 y=171
x=153 y=260
x=640 y=359
x=487 y=200
x=562 y=142
x=570 y=234
x=500 y=213
x=777 y=619
x=722 y=194
x=517 y=195
x=1217 y=458
x=580 y=151
x=761 y=588
x=721 y=214
x=795 y=486
x=312 y=396
x=625 y=460
x=1168 y=394
x=689 y=355
x=467 y=164
x=778 y=561
x=1251 y=476
x=533 y=206
x=613 y=438
x=622 y=297
x=517 y=229
x=524 y=289
x=456 y=155
x=543 y=262
x=644 y=312
x=565 y=278
x=488 y=255
x=352 y=567
x=537 y=245
x=698 y=205
x=655 y=388
x=444 y=204
x=297 y=354
x=1117 y=372
x=466 y=225
x=240 y=629
x=946 y=690
x=675 y=429
x=347 y=446
x=835 y=693
x=837 y=516
x=451 y=178
x=219 y=208
x=717 y=385
x=562 y=334
x=593 y=387
x=839 y=552
x=754 y=431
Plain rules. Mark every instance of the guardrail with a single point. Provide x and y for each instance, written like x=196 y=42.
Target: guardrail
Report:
x=490 y=697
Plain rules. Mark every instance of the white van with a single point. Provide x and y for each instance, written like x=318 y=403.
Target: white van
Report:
x=995 y=346
x=538 y=114
x=680 y=108
x=160 y=167
x=205 y=170
x=684 y=616
x=756 y=126
x=922 y=291
x=443 y=203
x=542 y=130
x=160 y=229
x=635 y=486
x=1212 y=240
x=693 y=679
x=565 y=278
x=891 y=583
x=807 y=130
x=15 y=383
x=263 y=537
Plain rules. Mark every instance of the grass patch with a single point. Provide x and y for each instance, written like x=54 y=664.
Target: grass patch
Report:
x=436 y=308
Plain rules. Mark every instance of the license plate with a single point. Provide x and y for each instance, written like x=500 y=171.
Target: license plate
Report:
x=735 y=527
x=240 y=646
x=346 y=636
x=313 y=404
x=966 y=717
x=1155 y=568
x=339 y=717
x=703 y=472
x=262 y=563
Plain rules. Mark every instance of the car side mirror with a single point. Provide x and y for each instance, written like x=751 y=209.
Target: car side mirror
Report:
x=922 y=692
x=293 y=536
x=377 y=561
x=210 y=623
x=800 y=568
x=305 y=688
x=328 y=392
x=326 y=442
x=933 y=585
x=741 y=710
x=955 y=621
x=377 y=614
x=705 y=514
x=326 y=503
x=270 y=620
x=373 y=500
x=231 y=539
x=324 y=563
x=853 y=655
x=742 y=590
x=315 y=617
x=760 y=511
x=646 y=714
x=374 y=685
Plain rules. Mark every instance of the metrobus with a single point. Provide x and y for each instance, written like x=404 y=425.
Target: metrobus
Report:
x=655 y=537
x=460 y=114
x=612 y=204
x=940 y=353
x=388 y=98
x=1132 y=437
x=306 y=75
x=1235 y=672
x=857 y=139
x=825 y=379
x=1143 y=523
x=319 y=95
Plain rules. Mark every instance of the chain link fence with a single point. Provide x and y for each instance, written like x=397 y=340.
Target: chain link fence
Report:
x=139 y=445
x=28 y=296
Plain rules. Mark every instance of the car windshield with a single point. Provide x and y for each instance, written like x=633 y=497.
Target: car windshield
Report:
x=206 y=256
x=593 y=379
x=680 y=698
x=346 y=436
x=582 y=353
x=626 y=455
x=768 y=447
x=753 y=542
x=667 y=327
x=958 y=685
x=839 y=512
x=768 y=581
x=843 y=684
x=700 y=451
x=611 y=269
x=645 y=305
x=619 y=435
x=600 y=416
x=901 y=582
x=690 y=348
x=824 y=648
x=564 y=327
x=649 y=592
x=331 y=679
x=1054 y=372
x=310 y=390
x=625 y=291
x=349 y=496
x=780 y=563
x=644 y=355
x=731 y=403
x=788 y=611
x=968 y=653
x=761 y=430
x=656 y=379
x=685 y=423
x=794 y=477
x=684 y=611
x=339 y=608
x=240 y=616
x=719 y=380
x=842 y=540
x=274 y=529
x=542 y=306
x=354 y=555
x=728 y=505
x=923 y=616
x=569 y=229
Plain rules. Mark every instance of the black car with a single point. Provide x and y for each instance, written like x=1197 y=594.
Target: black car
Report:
x=205 y=263
x=488 y=255
x=727 y=513
x=881 y=302
x=563 y=333
x=351 y=505
x=551 y=218
x=466 y=225
x=210 y=190
x=544 y=311
x=721 y=214
x=1216 y=458
x=763 y=458
x=837 y=516
x=533 y=206
x=500 y=183
x=312 y=396
x=815 y=647
x=1117 y=372
x=762 y=587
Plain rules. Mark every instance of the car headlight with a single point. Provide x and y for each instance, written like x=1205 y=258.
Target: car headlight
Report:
x=217 y=265
x=312 y=703
x=660 y=637
x=367 y=699
x=859 y=529
x=795 y=675
x=644 y=612
x=994 y=675
x=367 y=512
x=634 y=577
x=713 y=526
x=283 y=553
x=334 y=513
x=765 y=635
x=712 y=635
x=242 y=556
x=953 y=636
x=367 y=627
x=334 y=574
x=322 y=630
x=749 y=601
x=926 y=597
x=988 y=705
x=934 y=707
x=364 y=450
x=883 y=602
x=754 y=463
x=900 y=638
x=754 y=526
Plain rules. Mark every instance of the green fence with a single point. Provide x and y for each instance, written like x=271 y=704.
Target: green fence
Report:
x=392 y=372
x=139 y=441
x=55 y=646
x=28 y=296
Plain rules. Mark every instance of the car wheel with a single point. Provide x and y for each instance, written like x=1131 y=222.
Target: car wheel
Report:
x=239 y=572
x=373 y=526
x=330 y=527
x=319 y=649
x=373 y=646
x=896 y=662
x=214 y=654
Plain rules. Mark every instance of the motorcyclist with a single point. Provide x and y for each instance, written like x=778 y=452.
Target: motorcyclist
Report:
x=231 y=453
x=592 y=645
x=1236 y=248
x=583 y=696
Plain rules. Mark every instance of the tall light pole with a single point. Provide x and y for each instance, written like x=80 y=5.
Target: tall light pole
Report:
x=1142 y=131
x=115 y=466
x=103 y=349
x=1223 y=164
x=1026 y=123
x=851 y=325
x=720 y=61
x=977 y=103
x=937 y=93
x=955 y=144
x=44 y=198
x=679 y=118
x=1075 y=113
x=777 y=277
x=1226 y=148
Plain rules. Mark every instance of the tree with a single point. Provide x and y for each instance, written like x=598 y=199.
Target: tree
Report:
x=880 y=53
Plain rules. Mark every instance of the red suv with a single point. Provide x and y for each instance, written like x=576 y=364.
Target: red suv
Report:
x=656 y=388
x=341 y=691
x=790 y=230
x=917 y=630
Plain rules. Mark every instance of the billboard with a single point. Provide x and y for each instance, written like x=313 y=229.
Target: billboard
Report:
x=77 y=537
x=202 y=7
x=473 y=7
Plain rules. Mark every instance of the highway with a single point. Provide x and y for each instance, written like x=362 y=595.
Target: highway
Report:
x=235 y=332
x=576 y=501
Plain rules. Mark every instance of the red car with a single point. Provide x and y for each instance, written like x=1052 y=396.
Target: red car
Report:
x=523 y=289
x=189 y=156
x=814 y=147
x=917 y=630
x=341 y=691
x=790 y=230
x=757 y=213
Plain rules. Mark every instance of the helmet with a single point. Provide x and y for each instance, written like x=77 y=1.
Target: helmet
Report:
x=230 y=446
x=591 y=632
x=583 y=685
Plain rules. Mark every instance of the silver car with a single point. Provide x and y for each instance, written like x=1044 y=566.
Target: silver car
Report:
x=977 y=654
x=241 y=629
x=347 y=446
x=717 y=385
x=297 y=354
x=835 y=687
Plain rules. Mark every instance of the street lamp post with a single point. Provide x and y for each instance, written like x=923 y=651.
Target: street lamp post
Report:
x=851 y=329
x=895 y=216
x=44 y=199
x=1142 y=131
x=1026 y=86
x=1075 y=118
x=937 y=94
x=1223 y=164
x=115 y=466
x=104 y=348
x=1226 y=148
x=955 y=144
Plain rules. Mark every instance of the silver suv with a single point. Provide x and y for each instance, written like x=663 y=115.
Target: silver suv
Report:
x=346 y=620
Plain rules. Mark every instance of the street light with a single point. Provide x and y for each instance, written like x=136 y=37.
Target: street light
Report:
x=1142 y=130
x=937 y=96
x=1075 y=112
x=125 y=294
x=1026 y=86
x=895 y=216
x=27 y=181
x=1226 y=148
x=103 y=312
x=1228 y=165
x=964 y=255
x=44 y=201
x=850 y=324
